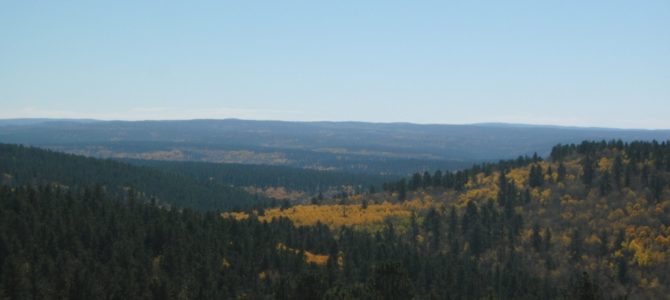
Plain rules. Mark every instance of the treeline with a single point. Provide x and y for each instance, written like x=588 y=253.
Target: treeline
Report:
x=21 y=165
x=640 y=165
x=453 y=180
x=241 y=175
x=643 y=165
x=80 y=244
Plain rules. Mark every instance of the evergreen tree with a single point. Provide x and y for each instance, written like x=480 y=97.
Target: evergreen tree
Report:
x=390 y=281
x=527 y=198
x=588 y=170
x=561 y=172
x=427 y=180
x=628 y=174
x=622 y=270
x=657 y=185
x=604 y=243
x=546 y=243
x=617 y=171
x=605 y=184
x=432 y=227
x=402 y=190
x=536 y=238
x=535 y=176
x=576 y=245
x=437 y=179
x=416 y=182
x=587 y=289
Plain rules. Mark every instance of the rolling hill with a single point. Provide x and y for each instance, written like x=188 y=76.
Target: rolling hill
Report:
x=377 y=148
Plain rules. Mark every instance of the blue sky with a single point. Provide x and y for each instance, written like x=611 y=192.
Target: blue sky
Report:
x=583 y=63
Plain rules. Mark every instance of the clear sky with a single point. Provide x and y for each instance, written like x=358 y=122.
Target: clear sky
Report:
x=584 y=63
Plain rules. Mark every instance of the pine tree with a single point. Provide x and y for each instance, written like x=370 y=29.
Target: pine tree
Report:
x=605 y=184
x=427 y=180
x=503 y=188
x=617 y=171
x=535 y=176
x=628 y=174
x=390 y=281
x=561 y=172
x=604 y=243
x=657 y=185
x=588 y=170
x=587 y=289
x=416 y=182
x=527 y=198
x=576 y=248
x=536 y=239
x=546 y=243
x=432 y=227
x=437 y=179
x=622 y=270
x=402 y=190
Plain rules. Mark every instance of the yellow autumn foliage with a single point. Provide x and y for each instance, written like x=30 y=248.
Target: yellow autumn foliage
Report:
x=519 y=176
x=318 y=259
x=336 y=216
x=477 y=194
x=593 y=240
x=235 y=215
x=604 y=164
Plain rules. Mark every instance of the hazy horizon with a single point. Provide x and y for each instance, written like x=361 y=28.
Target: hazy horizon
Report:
x=502 y=124
x=565 y=63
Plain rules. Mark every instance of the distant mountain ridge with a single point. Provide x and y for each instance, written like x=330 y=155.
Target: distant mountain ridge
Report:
x=33 y=121
x=380 y=148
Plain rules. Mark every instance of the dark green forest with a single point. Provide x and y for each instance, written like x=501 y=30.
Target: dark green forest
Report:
x=81 y=244
x=241 y=175
x=588 y=222
x=21 y=165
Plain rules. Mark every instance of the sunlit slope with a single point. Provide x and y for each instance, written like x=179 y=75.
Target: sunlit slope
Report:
x=603 y=208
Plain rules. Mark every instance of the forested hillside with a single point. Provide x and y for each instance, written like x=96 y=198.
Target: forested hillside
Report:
x=80 y=244
x=591 y=221
x=263 y=176
x=32 y=166
x=601 y=209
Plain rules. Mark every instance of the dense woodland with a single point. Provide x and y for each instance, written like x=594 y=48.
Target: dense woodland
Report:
x=57 y=243
x=241 y=175
x=21 y=165
x=592 y=221
x=596 y=207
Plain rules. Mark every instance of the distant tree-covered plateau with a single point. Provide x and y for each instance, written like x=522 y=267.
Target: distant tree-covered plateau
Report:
x=371 y=148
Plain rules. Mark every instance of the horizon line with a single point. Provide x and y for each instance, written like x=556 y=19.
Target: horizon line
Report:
x=488 y=123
